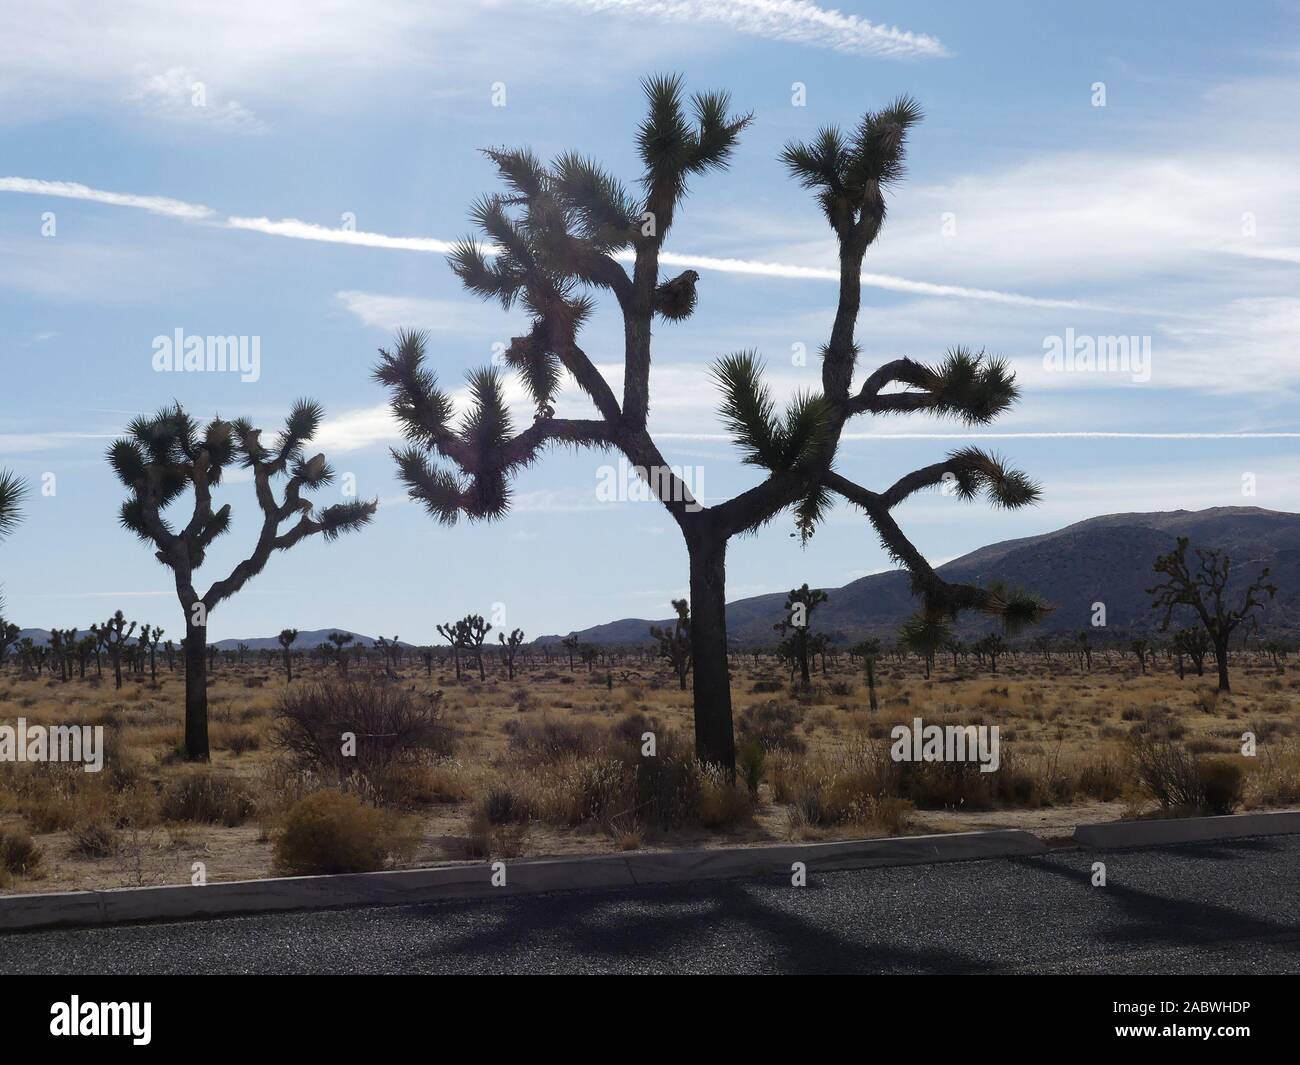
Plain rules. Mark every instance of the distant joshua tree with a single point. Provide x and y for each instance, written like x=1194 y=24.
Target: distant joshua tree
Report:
x=473 y=630
x=993 y=647
x=1204 y=589
x=340 y=641
x=453 y=633
x=287 y=638
x=1141 y=648
x=163 y=456
x=799 y=606
x=925 y=636
x=570 y=643
x=112 y=636
x=1084 y=639
x=559 y=231
x=675 y=641
x=869 y=651
x=509 y=648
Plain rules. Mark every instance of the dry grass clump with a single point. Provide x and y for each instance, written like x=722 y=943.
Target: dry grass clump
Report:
x=205 y=796
x=335 y=832
x=19 y=856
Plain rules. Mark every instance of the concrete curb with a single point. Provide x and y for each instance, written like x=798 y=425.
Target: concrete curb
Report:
x=1187 y=830
x=411 y=886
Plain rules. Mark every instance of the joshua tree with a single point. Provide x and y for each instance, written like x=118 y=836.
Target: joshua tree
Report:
x=1204 y=590
x=924 y=636
x=163 y=456
x=570 y=643
x=559 y=232
x=1084 y=639
x=994 y=647
x=869 y=651
x=340 y=640
x=1140 y=647
x=454 y=635
x=509 y=648
x=149 y=639
x=112 y=635
x=675 y=642
x=799 y=606
x=8 y=637
x=287 y=638
x=12 y=491
x=473 y=630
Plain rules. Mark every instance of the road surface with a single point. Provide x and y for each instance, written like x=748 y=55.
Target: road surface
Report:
x=1225 y=907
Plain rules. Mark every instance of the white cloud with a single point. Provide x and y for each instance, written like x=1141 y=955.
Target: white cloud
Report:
x=390 y=313
x=73 y=190
x=794 y=21
x=179 y=94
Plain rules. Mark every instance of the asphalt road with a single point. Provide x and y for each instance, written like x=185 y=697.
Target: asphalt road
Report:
x=1231 y=907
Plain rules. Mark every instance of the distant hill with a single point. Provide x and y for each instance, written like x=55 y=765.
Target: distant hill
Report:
x=1105 y=559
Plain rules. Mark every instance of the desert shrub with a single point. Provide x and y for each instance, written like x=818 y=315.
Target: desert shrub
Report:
x=551 y=740
x=841 y=688
x=19 y=854
x=721 y=800
x=771 y=725
x=391 y=724
x=503 y=806
x=206 y=797
x=94 y=840
x=1222 y=782
x=750 y=756
x=335 y=832
x=1166 y=771
x=767 y=687
x=629 y=729
x=422 y=785
x=1101 y=779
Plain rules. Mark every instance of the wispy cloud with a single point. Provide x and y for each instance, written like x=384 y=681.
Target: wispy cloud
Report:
x=295 y=229
x=795 y=21
x=73 y=190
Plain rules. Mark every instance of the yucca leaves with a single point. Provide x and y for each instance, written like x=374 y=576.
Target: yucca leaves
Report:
x=12 y=492
x=749 y=413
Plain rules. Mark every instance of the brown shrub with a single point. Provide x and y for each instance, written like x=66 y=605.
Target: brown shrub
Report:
x=335 y=832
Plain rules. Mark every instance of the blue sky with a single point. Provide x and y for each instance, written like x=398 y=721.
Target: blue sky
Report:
x=1028 y=211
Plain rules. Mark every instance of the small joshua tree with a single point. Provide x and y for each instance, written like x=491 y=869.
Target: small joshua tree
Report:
x=1204 y=589
x=287 y=638
x=162 y=457
x=8 y=637
x=799 y=606
x=112 y=636
x=869 y=651
x=675 y=642
x=558 y=233
x=340 y=641
x=924 y=636
x=509 y=648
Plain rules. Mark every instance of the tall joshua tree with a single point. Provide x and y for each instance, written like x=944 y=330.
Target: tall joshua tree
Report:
x=112 y=636
x=799 y=606
x=163 y=456
x=510 y=648
x=1203 y=588
x=558 y=234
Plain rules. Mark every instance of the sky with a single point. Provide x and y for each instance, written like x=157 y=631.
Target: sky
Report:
x=293 y=173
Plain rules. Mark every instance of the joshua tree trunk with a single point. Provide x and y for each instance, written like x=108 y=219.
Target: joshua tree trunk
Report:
x=288 y=667
x=196 y=693
x=871 y=683
x=1221 y=658
x=714 y=740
